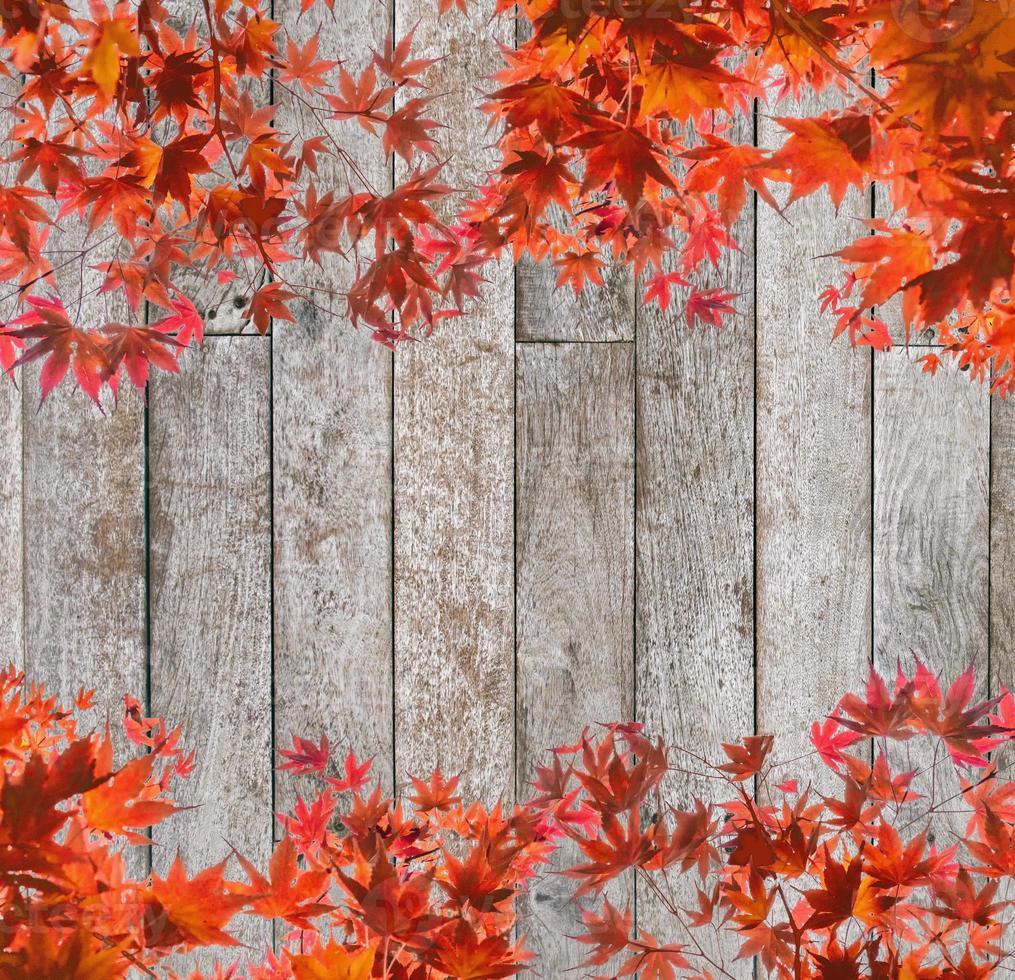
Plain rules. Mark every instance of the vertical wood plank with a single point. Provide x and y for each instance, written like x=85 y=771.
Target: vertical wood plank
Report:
x=84 y=545
x=454 y=459
x=210 y=599
x=695 y=532
x=84 y=503
x=574 y=486
x=332 y=466
x=12 y=545
x=931 y=442
x=931 y=534
x=1002 y=544
x=813 y=473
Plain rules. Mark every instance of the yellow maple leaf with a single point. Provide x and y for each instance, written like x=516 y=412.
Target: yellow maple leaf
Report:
x=333 y=962
x=103 y=64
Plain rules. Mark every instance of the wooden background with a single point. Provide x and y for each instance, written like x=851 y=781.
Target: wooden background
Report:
x=555 y=512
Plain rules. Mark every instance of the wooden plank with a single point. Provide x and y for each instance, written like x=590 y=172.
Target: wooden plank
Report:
x=83 y=511
x=454 y=459
x=12 y=545
x=1002 y=544
x=695 y=530
x=211 y=600
x=813 y=585
x=931 y=538
x=83 y=503
x=84 y=545
x=332 y=468
x=574 y=486
x=931 y=442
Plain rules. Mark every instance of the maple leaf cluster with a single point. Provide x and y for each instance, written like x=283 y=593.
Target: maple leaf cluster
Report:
x=836 y=882
x=67 y=816
x=621 y=136
x=840 y=884
x=162 y=145
x=620 y=143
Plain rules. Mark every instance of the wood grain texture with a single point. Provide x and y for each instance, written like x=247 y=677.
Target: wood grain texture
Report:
x=12 y=544
x=83 y=510
x=210 y=599
x=599 y=313
x=813 y=568
x=1002 y=544
x=84 y=538
x=454 y=460
x=931 y=539
x=931 y=449
x=695 y=528
x=332 y=450
x=574 y=487
x=332 y=466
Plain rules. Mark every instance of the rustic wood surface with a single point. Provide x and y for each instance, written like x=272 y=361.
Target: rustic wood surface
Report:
x=454 y=464
x=552 y=513
x=211 y=656
x=931 y=538
x=813 y=473
x=695 y=535
x=574 y=534
x=332 y=473
x=1001 y=551
x=12 y=541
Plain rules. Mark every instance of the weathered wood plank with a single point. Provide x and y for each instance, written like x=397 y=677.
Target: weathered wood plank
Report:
x=332 y=467
x=813 y=474
x=1002 y=544
x=574 y=485
x=12 y=545
x=333 y=539
x=210 y=598
x=931 y=537
x=83 y=485
x=454 y=458
x=695 y=527
x=931 y=446
x=84 y=545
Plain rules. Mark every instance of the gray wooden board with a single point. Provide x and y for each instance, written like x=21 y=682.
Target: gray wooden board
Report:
x=211 y=602
x=454 y=457
x=12 y=584
x=12 y=545
x=1002 y=565
x=83 y=507
x=84 y=542
x=574 y=486
x=332 y=464
x=931 y=540
x=932 y=446
x=813 y=511
x=598 y=313
x=695 y=525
